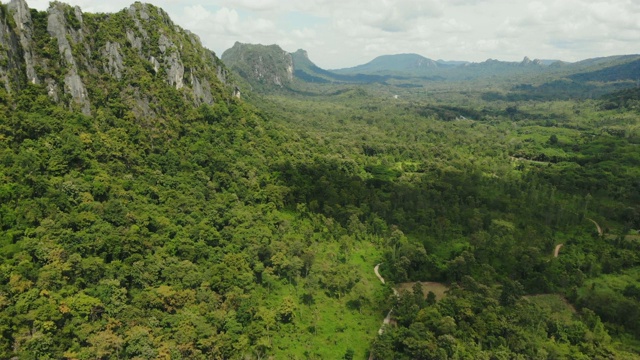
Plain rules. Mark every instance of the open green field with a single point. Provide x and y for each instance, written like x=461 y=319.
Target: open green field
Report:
x=327 y=326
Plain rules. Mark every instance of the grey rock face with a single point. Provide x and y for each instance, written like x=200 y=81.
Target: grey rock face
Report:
x=78 y=13
x=222 y=74
x=172 y=62
x=52 y=90
x=141 y=106
x=10 y=58
x=155 y=63
x=56 y=27
x=143 y=12
x=135 y=41
x=195 y=39
x=175 y=70
x=22 y=17
x=165 y=17
x=201 y=90
x=289 y=61
x=74 y=86
x=113 y=65
x=164 y=43
x=133 y=11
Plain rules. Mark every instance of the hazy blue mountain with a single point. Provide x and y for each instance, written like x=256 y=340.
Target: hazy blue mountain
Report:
x=404 y=64
x=451 y=62
x=273 y=67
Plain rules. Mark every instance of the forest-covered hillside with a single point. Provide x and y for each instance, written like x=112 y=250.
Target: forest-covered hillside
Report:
x=146 y=211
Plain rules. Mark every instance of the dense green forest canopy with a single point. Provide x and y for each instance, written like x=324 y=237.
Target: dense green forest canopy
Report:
x=249 y=228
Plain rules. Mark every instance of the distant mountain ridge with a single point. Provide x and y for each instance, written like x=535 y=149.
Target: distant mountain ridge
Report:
x=399 y=63
x=272 y=67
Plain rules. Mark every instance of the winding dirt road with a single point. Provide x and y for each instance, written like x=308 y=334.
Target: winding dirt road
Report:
x=556 y=252
x=387 y=319
x=376 y=270
x=600 y=232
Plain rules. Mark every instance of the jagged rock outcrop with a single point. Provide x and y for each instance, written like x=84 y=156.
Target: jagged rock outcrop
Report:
x=58 y=28
x=175 y=69
x=22 y=18
x=201 y=90
x=70 y=55
x=74 y=86
x=114 y=64
x=10 y=56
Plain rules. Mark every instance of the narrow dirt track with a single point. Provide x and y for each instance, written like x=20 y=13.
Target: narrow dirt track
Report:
x=556 y=252
x=600 y=232
x=375 y=270
x=387 y=319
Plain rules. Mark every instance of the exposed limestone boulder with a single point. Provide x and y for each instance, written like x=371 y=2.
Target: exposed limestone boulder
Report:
x=56 y=26
x=22 y=18
x=155 y=64
x=143 y=12
x=201 y=90
x=133 y=11
x=172 y=62
x=222 y=74
x=73 y=85
x=113 y=64
x=165 y=44
x=52 y=90
x=9 y=58
x=175 y=70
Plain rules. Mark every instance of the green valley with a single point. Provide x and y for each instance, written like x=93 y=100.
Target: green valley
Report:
x=157 y=202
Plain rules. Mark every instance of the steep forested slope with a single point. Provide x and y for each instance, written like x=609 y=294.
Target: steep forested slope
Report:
x=140 y=216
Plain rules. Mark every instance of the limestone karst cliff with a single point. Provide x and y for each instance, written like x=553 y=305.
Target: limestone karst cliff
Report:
x=85 y=61
x=261 y=64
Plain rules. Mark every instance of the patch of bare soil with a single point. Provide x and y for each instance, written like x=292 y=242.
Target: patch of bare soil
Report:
x=437 y=288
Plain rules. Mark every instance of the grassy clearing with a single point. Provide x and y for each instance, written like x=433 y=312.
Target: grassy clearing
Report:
x=556 y=304
x=329 y=327
x=612 y=282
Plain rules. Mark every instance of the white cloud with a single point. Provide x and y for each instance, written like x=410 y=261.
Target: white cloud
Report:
x=305 y=34
x=254 y=5
x=454 y=26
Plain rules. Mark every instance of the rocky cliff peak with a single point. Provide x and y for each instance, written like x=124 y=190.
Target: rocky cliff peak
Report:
x=261 y=65
x=302 y=53
x=85 y=60
x=22 y=18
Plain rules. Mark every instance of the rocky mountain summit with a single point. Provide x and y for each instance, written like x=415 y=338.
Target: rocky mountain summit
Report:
x=266 y=65
x=88 y=61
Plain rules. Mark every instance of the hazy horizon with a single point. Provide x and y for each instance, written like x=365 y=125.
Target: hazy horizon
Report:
x=341 y=34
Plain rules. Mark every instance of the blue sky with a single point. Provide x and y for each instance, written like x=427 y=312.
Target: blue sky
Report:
x=344 y=33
